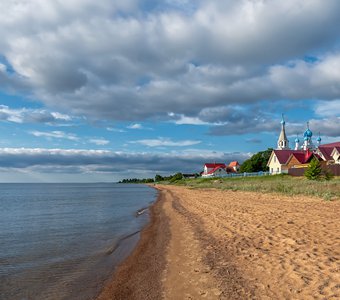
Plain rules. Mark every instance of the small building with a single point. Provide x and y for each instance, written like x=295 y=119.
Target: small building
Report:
x=235 y=166
x=301 y=160
x=277 y=160
x=214 y=169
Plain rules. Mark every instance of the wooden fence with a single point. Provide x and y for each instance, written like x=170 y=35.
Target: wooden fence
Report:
x=334 y=169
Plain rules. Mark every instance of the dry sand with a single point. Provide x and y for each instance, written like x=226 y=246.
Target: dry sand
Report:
x=213 y=244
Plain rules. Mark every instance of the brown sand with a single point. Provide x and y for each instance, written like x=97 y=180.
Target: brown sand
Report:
x=216 y=244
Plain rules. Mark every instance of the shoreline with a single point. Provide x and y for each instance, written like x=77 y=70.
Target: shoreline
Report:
x=218 y=244
x=138 y=273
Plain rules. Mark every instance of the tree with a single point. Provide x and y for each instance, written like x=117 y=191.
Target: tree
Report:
x=258 y=162
x=177 y=176
x=314 y=170
x=158 y=178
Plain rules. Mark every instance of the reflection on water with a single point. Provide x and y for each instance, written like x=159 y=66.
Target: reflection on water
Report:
x=56 y=240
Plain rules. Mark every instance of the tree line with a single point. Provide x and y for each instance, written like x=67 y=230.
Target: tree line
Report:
x=158 y=178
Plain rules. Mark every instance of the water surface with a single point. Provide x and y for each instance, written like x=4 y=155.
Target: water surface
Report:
x=62 y=241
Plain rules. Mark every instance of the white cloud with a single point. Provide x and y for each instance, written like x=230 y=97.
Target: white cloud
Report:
x=135 y=126
x=25 y=115
x=328 y=109
x=59 y=116
x=115 y=129
x=99 y=142
x=138 y=126
x=56 y=135
x=165 y=142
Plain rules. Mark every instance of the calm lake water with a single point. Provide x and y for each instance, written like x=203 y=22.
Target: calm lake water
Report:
x=62 y=241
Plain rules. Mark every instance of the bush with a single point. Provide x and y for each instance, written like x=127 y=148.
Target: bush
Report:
x=314 y=170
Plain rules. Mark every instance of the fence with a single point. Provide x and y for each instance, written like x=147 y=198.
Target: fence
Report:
x=245 y=174
x=334 y=169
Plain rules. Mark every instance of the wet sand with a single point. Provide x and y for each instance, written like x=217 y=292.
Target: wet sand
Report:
x=217 y=244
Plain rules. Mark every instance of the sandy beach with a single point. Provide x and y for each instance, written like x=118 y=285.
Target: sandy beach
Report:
x=213 y=244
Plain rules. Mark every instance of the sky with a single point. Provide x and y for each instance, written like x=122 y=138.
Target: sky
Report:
x=94 y=91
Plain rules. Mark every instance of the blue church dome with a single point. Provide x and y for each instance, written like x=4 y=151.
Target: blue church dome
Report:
x=308 y=133
x=319 y=139
x=297 y=140
x=306 y=138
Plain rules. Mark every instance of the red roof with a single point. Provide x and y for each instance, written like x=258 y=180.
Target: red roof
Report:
x=234 y=164
x=215 y=169
x=283 y=155
x=331 y=145
x=326 y=152
x=214 y=165
x=305 y=157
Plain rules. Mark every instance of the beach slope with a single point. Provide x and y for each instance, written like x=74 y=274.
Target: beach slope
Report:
x=217 y=244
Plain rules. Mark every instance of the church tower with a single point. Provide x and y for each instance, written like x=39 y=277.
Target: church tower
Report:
x=319 y=140
x=283 y=143
x=297 y=143
x=307 y=139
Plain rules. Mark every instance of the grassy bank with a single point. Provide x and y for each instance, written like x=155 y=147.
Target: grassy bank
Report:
x=284 y=184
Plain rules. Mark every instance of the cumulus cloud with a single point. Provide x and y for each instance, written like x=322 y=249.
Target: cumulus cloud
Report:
x=24 y=115
x=137 y=60
x=165 y=142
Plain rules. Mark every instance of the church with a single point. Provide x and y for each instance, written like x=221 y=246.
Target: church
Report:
x=284 y=158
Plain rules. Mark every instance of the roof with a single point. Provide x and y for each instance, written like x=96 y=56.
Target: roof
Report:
x=283 y=155
x=305 y=157
x=302 y=157
x=215 y=169
x=335 y=149
x=214 y=165
x=283 y=136
x=326 y=152
x=234 y=164
x=331 y=145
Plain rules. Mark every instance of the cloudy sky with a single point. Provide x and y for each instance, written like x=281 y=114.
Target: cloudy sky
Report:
x=104 y=90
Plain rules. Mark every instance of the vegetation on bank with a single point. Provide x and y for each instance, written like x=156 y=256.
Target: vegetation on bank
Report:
x=158 y=178
x=316 y=181
x=257 y=163
x=316 y=172
x=283 y=184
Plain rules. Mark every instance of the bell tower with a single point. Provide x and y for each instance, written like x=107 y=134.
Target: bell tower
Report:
x=283 y=143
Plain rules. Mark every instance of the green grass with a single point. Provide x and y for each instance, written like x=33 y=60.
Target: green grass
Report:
x=283 y=184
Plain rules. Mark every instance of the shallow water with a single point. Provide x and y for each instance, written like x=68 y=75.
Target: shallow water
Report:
x=61 y=241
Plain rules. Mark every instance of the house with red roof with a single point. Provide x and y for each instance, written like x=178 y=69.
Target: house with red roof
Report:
x=234 y=165
x=214 y=169
x=219 y=169
x=301 y=160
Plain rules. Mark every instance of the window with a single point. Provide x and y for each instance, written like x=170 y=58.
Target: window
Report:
x=274 y=158
x=278 y=170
